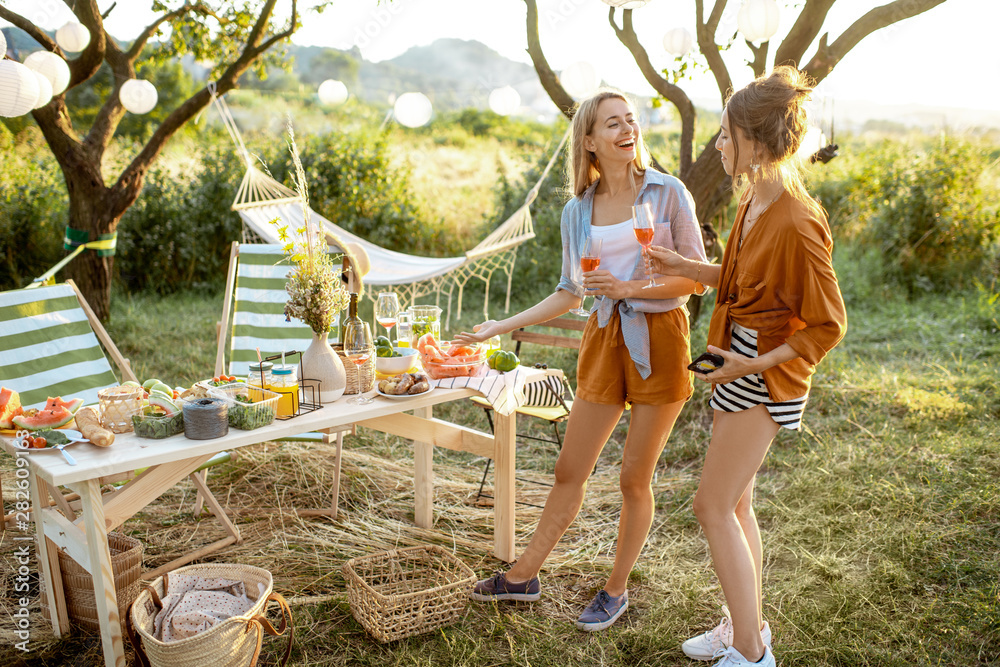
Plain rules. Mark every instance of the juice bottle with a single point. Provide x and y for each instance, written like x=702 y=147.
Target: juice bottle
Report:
x=284 y=381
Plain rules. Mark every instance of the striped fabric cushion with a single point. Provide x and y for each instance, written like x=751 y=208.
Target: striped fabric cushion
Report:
x=536 y=395
x=259 y=311
x=47 y=347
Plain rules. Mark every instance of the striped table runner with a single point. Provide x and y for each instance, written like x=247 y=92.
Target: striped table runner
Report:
x=504 y=391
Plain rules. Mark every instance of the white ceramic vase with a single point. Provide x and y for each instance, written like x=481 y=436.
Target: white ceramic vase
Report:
x=320 y=362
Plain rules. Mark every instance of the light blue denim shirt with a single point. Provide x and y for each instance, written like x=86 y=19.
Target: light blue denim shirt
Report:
x=676 y=228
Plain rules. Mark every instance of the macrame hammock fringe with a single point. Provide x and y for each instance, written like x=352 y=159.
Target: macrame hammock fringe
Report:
x=260 y=199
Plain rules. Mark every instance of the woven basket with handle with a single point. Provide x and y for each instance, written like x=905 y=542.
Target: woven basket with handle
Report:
x=234 y=642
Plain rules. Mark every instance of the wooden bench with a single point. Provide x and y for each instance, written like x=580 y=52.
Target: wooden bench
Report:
x=565 y=323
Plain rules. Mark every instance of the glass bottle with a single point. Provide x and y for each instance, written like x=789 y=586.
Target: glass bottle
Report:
x=259 y=377
x=285 y=381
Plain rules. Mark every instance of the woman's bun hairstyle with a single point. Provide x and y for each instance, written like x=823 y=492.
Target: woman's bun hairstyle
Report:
x=771 y=112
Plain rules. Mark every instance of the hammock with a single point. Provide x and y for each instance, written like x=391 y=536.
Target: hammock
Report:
x=261 y=199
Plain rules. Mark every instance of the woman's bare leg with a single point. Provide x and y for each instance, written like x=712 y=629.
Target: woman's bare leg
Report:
x=740 y=441
x=589 y=427
x=648 y=431
x=748 y=521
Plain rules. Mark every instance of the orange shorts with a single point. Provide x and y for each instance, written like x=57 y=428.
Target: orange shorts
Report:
x=606 y=373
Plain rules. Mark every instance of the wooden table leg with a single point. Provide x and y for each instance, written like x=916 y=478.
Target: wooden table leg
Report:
x=48 y=559
x=102 y=573
x=423 y=477
x=505 y=428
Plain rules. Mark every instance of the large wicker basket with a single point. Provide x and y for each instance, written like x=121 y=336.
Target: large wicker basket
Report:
x=126 y=563
x=233 y=642
x=405 y=592
x=351 y=370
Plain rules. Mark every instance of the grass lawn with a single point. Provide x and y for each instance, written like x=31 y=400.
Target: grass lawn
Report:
x=881 y=520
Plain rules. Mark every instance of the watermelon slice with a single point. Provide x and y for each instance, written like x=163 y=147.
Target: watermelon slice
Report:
x=72 y=405
x=44 y=419
x=160 y=400
x=10 y=407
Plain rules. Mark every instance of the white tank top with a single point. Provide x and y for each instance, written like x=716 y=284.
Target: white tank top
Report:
x=620 y=248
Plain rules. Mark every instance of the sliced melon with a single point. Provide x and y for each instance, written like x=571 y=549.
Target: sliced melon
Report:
x=10 y=407
x=44 y=419
x=166 y=404
x=72 y=405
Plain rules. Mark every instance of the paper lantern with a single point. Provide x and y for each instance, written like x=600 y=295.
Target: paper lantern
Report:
x=73 y=37
x=332 y=92
x=52 y=67
x=412 y=109
x=626 y=4
x=505 y=101
x=758 y=20
x=580 y=79
x=811 y=142
x=678 y=42
x=18 y=89
x=138 y=96
x=44 y=91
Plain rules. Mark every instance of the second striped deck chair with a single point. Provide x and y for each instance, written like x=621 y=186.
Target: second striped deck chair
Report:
x=255 y=305
x=52 y=344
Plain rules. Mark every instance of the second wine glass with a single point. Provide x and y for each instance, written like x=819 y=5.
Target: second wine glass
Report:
x=642 y=225
x=387 y=310
x=590 y=260
x=358 y=347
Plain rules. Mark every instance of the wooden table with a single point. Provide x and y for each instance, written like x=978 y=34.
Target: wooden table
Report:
x=169 y=460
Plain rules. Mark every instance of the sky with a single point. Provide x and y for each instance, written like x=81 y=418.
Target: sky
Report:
x=945 y=57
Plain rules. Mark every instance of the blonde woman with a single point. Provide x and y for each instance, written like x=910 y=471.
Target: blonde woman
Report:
x=778 y=311
x=635 y=348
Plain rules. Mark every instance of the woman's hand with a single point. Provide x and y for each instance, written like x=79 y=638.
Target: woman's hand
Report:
x=665 y=262
x=602 y=283
x=483 y=332
x=735 y=367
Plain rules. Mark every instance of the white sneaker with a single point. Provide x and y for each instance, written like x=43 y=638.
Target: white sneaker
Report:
x=707 y=645
x=733 y=658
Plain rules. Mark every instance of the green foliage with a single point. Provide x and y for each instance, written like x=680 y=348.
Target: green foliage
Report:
x=919 y=218
x=333 y=64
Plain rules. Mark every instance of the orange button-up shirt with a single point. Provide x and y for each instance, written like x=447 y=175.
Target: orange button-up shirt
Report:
x=781 y=283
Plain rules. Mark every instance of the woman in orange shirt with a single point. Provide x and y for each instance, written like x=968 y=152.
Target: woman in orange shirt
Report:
x=778 y=311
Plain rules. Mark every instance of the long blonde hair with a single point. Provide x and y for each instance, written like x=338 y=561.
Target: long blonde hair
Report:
x=584 y=167
x=770 y=112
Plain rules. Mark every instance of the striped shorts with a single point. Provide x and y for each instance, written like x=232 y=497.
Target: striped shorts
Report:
x=750 y=390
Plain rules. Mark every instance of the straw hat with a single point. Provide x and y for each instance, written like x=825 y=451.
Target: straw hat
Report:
x=362 y=263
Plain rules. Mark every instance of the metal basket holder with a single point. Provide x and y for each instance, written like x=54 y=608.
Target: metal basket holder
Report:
x=308 y=388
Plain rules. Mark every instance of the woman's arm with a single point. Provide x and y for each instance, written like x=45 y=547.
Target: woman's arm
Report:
x=669 y=263
x=604 y=284
x=551 y=306
x=737 y=366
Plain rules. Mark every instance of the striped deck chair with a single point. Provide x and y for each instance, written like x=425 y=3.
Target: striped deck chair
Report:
x=51 y=345
x=255 y=303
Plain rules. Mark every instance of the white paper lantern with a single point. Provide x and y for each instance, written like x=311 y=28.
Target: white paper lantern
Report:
x=626 y=4
x=138 y=96
x=758 y=20
x=333 y=92
x=52 y=67
x=44 y=91
x=18 y=89
x=678 y=42
x=73 y=37
x=580 y=79
x=505 y=101
x=412 y=109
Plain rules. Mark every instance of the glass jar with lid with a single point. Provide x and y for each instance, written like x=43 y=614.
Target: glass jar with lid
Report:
x=259 y=375
x=285 y=381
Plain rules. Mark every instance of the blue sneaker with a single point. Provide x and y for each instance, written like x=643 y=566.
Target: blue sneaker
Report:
x=602 y=612
x=498 y=588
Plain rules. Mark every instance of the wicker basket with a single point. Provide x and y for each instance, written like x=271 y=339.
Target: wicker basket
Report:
x=117 y=405
x=234 y=642
x=351 y=370
x=405 y=592
x=126 y=563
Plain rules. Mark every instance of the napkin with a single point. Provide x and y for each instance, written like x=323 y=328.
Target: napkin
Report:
x=504 y=391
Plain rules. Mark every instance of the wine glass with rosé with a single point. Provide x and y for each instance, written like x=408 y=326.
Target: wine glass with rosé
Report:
x=642 y=225
x=358 y=347
x=590 y=260
x=387 y=311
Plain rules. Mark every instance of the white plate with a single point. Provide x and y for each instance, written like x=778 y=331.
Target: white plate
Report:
x=74 y=436
x=394 y=396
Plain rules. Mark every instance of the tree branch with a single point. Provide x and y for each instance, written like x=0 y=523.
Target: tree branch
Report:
x=803 y=32
x=708 y=47
x=33 y=31
x=675 y=94
x=548 y=78
x=140 y=42
x=89 y=62
x=827 y=57
x=759 y=58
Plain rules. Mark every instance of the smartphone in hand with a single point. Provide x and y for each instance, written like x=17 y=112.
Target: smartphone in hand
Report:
x=706 y=363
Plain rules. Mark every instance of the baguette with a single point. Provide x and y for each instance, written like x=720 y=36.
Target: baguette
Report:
x=89 y=424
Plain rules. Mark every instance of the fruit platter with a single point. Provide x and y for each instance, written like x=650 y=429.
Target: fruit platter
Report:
x=442 y=359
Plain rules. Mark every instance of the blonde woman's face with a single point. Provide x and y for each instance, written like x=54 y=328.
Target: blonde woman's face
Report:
x=613 y=137
x=731 y=138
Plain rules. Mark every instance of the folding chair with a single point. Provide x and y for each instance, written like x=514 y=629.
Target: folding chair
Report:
x=550 y=399
x=51 y=345
x=255 y=303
